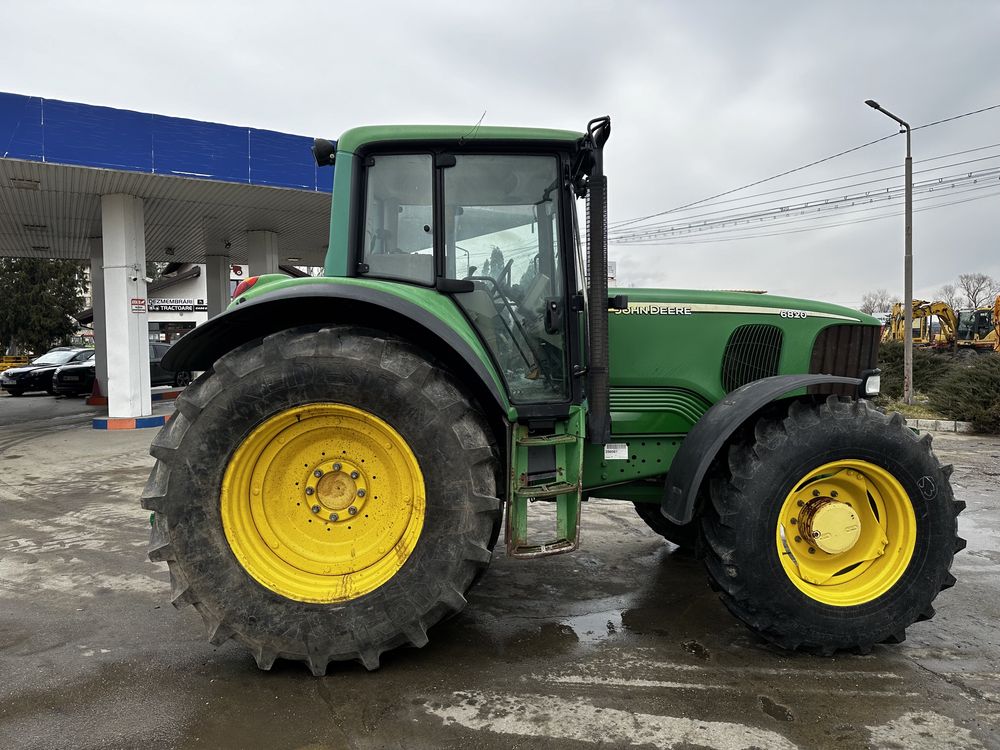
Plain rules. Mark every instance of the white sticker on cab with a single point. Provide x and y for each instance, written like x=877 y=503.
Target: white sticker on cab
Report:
x=616 y=452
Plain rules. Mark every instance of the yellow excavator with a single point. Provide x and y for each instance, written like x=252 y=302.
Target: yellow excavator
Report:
x=924 y=334
x=996 y=324
x=965 y=332
x=979 y=330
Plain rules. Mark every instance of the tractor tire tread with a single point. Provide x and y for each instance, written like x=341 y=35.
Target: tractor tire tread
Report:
x=168 y=494
x=738 y=579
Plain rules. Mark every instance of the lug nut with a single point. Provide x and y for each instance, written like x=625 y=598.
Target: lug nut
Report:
x=334 y=516
x=833 y=493
x=336 y=467
x=352 y=510
x=318 y=473
x=800 y=503
x=361 y=493
x=315 y=509
x=354 y=475
x=798 y=539
x=794 y=521
x=815 y=493
x=309 y=490
x=812 y=550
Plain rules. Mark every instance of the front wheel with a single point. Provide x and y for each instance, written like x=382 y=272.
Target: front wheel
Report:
x=324 y=496
x=834 y=528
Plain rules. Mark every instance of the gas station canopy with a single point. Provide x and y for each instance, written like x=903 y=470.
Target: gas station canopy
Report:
x=120 y=188
x=201 y=182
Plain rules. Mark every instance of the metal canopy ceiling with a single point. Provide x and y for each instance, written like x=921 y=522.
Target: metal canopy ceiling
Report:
x=204 y=184
x=51 y=211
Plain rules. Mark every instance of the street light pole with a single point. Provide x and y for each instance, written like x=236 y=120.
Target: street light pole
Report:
x=907 y=259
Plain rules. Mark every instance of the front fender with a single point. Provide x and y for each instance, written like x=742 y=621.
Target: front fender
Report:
x=422 y=316
x=713 y=430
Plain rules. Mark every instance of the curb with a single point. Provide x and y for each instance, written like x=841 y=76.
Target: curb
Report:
x=941 y=425
x=155 y=396
x=130 y=423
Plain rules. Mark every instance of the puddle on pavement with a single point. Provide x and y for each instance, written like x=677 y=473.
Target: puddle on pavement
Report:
x=595 y=626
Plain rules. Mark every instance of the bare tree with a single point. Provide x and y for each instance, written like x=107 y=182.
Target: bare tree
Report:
x=949 y=293
x=877 y=301
x=979 y=288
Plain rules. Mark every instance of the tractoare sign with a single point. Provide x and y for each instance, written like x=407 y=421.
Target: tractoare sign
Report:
x=177 y=304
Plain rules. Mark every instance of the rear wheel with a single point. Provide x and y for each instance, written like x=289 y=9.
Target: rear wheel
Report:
x=833 y=528
x=324 y=496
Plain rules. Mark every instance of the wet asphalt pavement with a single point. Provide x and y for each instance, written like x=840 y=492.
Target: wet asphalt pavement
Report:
x=618 y=645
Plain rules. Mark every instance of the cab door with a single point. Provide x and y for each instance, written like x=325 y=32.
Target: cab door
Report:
x=502 y=217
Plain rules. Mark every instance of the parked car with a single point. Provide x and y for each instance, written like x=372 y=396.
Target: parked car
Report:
x=37 y=375
x=77 y=378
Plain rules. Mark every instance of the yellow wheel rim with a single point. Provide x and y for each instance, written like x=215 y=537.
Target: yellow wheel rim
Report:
x=846 y=533
x=323 y=503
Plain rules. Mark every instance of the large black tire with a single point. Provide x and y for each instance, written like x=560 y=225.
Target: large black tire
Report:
x=740 y=523
x=388 y=378
x=687 y=537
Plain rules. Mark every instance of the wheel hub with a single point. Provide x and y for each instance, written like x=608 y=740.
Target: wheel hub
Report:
x=832 y=526
x=337 y=486
x=846 y=532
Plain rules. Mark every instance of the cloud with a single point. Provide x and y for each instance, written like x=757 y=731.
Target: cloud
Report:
x=705 y=97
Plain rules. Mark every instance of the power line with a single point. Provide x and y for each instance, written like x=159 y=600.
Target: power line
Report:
x=859 y=174
x=758 y=182
x=799 y=169
x=780 y=221
x=654 y=226
x=670 y=241
x=956 y=117
x=924 y=186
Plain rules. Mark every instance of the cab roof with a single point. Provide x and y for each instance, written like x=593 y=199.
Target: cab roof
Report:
x=358 y=137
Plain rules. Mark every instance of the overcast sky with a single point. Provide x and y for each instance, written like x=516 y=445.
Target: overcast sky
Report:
x=704 y=97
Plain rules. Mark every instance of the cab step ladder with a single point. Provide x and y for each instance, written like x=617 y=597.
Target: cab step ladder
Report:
x=564 y=486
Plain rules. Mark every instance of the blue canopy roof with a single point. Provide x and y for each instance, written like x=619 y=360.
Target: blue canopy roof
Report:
x=58 y=132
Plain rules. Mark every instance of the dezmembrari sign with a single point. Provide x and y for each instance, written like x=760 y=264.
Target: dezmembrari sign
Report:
x=177 y=304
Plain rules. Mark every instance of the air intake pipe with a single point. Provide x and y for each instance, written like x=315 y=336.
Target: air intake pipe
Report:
x=599 y=414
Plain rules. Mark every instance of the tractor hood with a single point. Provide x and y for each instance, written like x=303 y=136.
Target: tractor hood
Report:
x=702 y=302
x=674 y=352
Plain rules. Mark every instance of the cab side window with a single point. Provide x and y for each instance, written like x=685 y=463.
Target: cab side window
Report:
x=399 y=228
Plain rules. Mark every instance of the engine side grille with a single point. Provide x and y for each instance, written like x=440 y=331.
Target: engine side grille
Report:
x=844 y=350
x=752 y=352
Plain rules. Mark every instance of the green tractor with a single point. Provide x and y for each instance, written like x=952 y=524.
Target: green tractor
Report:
x=335 y=481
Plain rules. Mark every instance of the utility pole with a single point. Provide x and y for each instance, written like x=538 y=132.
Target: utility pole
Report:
x=907 y=258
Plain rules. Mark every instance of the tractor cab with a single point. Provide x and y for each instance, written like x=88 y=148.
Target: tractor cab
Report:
x=489 y=228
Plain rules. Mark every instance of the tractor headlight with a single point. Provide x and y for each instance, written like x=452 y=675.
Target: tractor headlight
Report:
x=871 y=382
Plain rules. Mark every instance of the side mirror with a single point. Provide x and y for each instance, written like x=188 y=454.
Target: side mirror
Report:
x=324 y=151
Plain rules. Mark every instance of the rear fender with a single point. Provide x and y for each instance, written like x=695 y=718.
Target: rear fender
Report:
x=323 y=304
x=716 y=426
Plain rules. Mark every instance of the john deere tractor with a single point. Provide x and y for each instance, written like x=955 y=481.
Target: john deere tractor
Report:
x=336 y=480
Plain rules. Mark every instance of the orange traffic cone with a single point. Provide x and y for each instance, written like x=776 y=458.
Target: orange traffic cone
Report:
x=95 y=398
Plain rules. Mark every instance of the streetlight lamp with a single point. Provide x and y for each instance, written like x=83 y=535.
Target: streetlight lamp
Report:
x=907 y=259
